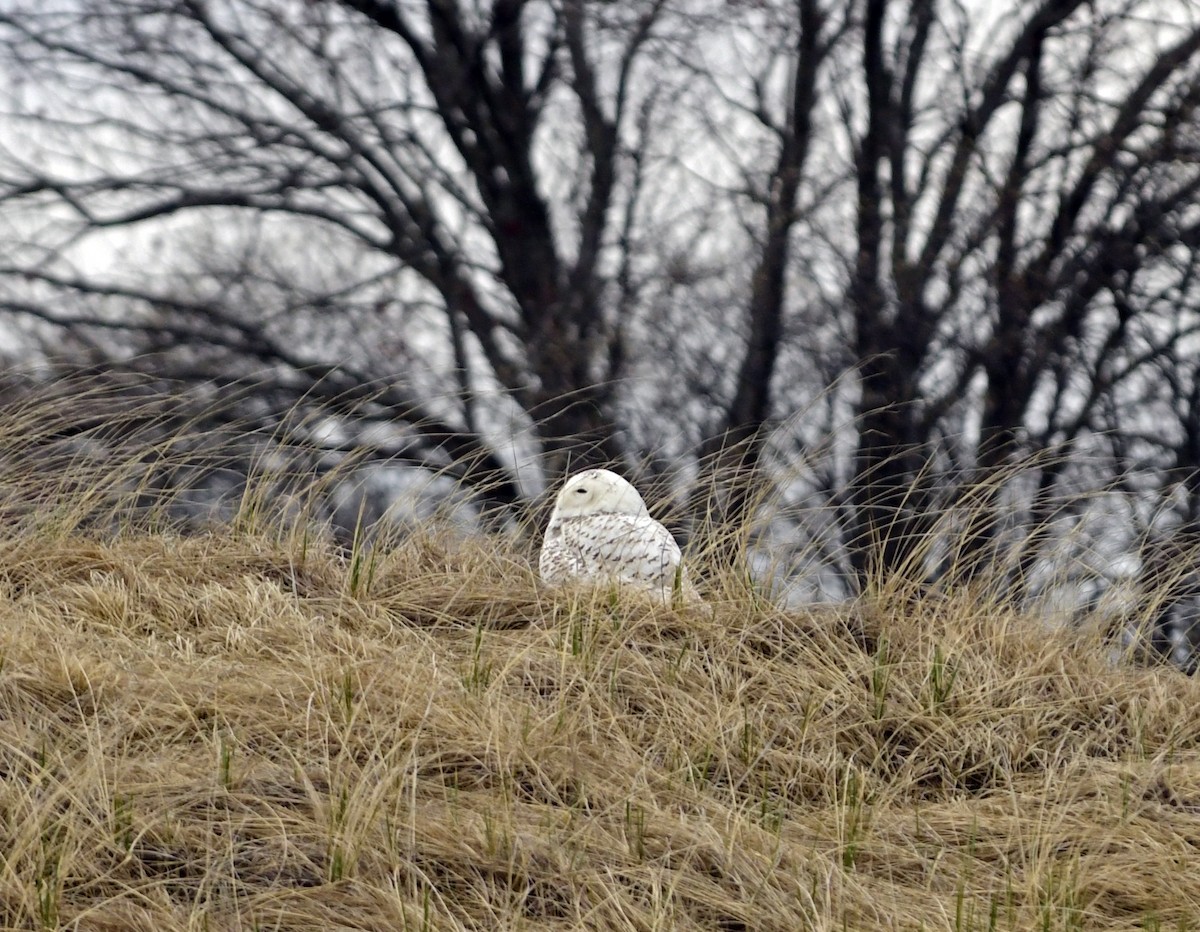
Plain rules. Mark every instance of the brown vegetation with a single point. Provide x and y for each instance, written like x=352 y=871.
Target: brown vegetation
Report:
x=253 y=730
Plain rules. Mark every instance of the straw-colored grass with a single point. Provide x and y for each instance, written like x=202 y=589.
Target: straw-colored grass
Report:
x=250 y=729
x=246 y=731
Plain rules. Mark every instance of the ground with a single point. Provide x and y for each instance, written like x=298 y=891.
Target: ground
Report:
x=248 y=729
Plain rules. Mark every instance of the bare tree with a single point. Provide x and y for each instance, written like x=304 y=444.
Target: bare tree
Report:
x=1017 y=212
x=413 y=134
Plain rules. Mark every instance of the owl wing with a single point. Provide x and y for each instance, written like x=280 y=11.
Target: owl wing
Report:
x=629 y=548
x=633 y=548
x=647 y=553
x=636 y=548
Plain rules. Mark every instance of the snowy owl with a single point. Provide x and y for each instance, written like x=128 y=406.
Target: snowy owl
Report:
x=600 y=529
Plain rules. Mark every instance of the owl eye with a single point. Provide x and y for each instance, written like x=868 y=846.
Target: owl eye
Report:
x=581 y=491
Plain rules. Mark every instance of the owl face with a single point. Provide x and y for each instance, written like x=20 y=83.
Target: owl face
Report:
x=597 y=492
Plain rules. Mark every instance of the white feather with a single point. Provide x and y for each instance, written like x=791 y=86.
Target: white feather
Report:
x=600 y=530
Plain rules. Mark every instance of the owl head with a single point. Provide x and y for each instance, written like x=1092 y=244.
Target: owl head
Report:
x=597 y=492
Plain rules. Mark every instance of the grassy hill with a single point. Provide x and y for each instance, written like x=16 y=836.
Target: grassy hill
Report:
x=243 y=731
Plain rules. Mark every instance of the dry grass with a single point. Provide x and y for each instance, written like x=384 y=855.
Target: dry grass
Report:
x=252 y=730
x=241 y=731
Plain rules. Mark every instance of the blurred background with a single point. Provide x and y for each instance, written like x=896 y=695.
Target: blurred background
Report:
x=857 y=288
